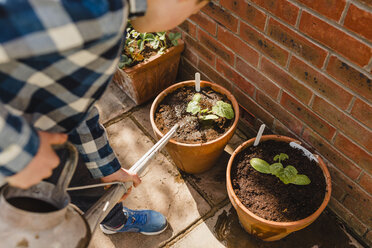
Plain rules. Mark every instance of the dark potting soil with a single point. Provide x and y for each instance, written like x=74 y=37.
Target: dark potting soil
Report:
x=268 y=197
x=172 y=110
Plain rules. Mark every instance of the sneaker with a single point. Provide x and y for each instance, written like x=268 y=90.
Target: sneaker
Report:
x=148 y=222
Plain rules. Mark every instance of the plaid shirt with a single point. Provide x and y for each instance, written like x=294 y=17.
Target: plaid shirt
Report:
x=56 y=59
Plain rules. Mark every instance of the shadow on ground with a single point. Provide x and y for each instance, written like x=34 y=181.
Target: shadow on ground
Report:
x=325 y=232
x=117 y=239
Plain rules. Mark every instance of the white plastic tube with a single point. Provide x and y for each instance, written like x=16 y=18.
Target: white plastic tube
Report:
x=259 y=135
x=197 y=82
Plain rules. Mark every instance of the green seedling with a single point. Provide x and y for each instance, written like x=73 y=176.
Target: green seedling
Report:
x=220 y=109
x=173 y=37
x=287 y=175
x=135 y=44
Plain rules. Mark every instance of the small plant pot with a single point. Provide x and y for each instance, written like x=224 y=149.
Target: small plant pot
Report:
x=196 y=158
x=146 y=79
x=265 y=229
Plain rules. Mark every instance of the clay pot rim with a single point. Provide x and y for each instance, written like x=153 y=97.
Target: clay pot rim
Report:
x=214 y=86
x=278 y=224
x=173 y=49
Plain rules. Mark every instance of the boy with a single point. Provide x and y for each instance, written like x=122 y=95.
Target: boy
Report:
x=56 y=59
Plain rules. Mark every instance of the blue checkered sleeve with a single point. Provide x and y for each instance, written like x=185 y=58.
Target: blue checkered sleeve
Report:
x=91 y=141
x=19 y=143
x=56 y=60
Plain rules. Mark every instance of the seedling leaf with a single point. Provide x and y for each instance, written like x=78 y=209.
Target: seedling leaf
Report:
x=290 y=173
x=276 y=168
x=290 y=170
x=223 y=109
x=283 y=177
x=177 y=36
x=171 y=36
x=141 y=45
x=162 y=50
x=281 y=157
x=174 y=42
x=287 y=175
x=209 y=117
x=260 y=165
x=301 y=180
x=193 y=107
x=196 y=97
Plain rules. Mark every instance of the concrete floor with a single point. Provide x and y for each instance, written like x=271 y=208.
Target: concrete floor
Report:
x=196 y=206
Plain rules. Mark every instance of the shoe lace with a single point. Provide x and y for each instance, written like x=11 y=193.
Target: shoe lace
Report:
x=140 y=219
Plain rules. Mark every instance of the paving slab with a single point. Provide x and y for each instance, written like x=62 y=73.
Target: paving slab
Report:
x=162 y=189
x=212 y=183
x=142 y=115
x=224 y=230
x=113 y=103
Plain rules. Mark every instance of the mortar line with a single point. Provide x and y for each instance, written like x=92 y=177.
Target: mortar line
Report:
x=280 y=94
x=286 y=67
x=360 y=176
x=360 y=5
x=259 y=61
x=298 y=20
x=333 y=138
x=326 y=61
x=351 y=105
x=121 y=116
x=369 y=66
x=266 y=27
x=311 y=101
x=302 y=131
x=344 y=13
x=142 y=128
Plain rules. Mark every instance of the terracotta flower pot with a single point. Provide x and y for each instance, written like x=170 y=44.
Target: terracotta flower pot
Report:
x=147 y=79
x=196 y=158
x=262 y=228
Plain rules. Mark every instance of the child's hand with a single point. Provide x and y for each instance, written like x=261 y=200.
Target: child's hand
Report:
x=42 y=165
x=123 y=175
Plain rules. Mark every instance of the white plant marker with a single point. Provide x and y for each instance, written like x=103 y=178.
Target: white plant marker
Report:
x=259 y=134
x=306 y=152
x=197 y=82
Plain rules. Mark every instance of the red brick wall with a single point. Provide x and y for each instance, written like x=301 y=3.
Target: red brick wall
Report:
x=302 y=67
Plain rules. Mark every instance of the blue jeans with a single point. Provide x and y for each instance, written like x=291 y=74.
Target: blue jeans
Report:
x=84 y=199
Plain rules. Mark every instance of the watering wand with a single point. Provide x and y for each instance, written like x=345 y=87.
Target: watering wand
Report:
x=97 y=212
x=140 y=165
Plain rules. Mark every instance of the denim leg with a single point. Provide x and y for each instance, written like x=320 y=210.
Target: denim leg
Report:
x=84 y=199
